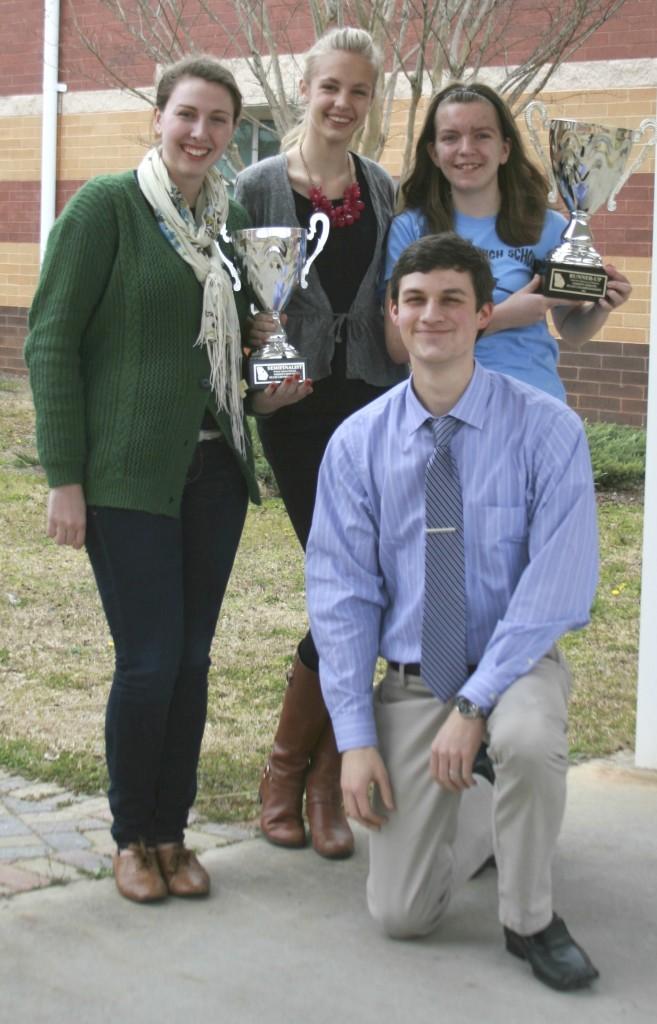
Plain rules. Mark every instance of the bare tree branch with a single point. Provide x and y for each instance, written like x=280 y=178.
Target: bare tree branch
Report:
x=426 y=43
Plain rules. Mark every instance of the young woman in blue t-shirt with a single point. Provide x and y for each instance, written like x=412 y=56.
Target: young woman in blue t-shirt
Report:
x=471 y=175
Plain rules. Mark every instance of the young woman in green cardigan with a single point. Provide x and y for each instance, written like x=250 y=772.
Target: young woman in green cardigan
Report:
x=135 y=356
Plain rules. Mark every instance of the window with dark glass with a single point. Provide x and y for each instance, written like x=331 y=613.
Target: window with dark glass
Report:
x=254 y=139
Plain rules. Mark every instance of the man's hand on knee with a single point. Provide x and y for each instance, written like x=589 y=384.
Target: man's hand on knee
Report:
x=361 y=768
x=453 y=751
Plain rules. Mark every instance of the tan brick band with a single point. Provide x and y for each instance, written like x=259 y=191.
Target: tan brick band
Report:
x=20 y=153
x=88 y=144
x=19 y=272
x=630 y=323
x=93 y=144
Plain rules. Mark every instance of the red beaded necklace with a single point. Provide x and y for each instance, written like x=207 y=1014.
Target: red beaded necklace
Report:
x=351 y=207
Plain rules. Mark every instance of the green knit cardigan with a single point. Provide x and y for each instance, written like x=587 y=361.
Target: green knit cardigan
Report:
x=119 y=388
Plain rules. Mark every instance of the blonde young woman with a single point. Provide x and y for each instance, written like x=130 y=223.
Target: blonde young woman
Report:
x=135 y=359
x=337 y=325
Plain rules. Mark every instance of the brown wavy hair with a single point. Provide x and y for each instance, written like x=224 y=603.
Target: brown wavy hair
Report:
x=203 y=66
x=523 y=187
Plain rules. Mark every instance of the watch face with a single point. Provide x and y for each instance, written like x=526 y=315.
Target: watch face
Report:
x=467 y=708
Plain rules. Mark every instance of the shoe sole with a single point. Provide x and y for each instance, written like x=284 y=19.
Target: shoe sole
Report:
x=283 y=843
x=144 y=901
x=338 y=855
x=190 y=895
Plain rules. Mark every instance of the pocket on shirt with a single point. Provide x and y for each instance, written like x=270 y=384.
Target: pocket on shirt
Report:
x=500 y=523
x=497 y=542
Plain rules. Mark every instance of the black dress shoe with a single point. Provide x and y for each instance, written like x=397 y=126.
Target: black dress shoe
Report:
x=555 y=957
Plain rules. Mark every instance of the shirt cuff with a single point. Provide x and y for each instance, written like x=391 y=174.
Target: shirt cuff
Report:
x=480 y=691
x=353 y=730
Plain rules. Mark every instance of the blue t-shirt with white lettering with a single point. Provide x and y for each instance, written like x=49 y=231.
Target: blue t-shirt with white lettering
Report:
x=527 y=353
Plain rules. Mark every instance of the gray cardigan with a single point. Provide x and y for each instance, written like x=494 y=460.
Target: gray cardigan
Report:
x=264 y=190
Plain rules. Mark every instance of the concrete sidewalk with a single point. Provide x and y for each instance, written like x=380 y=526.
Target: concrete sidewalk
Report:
x=285 y=937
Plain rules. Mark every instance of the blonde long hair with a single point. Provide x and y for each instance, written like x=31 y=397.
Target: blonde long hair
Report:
x=336 y=40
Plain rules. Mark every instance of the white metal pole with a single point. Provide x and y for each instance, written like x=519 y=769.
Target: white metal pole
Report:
x=646 y=710
x=49 y=119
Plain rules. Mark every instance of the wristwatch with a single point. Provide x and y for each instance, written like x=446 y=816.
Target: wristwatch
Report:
x=468 y=708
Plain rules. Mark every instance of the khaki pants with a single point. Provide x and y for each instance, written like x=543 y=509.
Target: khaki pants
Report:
x=435 y=839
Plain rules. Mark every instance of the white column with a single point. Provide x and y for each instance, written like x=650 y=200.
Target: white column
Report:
x=49 y=119
x=646 y=710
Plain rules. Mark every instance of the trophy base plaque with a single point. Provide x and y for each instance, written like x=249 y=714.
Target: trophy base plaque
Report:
x=263 y=371
x=572 y=281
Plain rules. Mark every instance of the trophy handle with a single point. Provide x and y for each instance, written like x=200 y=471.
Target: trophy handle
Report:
x=643 y=127
x=316 y=219
x=237 y=284
x=539 y=108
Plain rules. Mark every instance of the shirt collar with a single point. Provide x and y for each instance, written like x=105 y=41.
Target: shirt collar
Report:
x=470 y=408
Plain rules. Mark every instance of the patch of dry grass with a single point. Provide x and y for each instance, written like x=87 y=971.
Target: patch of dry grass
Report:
x=604 y=655
x=56 y=655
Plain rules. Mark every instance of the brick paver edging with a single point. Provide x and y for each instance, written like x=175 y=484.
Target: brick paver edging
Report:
x=49 y=836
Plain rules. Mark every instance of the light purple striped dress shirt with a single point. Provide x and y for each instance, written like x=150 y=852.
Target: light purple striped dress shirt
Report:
x=530 y=540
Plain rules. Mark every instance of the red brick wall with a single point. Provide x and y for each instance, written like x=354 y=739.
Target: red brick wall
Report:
x=19 y=208
x=628 y=230
x=631 y=33
x=13 y=329
x=607 y=381
x=220 y=35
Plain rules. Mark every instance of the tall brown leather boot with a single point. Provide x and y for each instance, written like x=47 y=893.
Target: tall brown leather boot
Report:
x=329 y=829
x=300 y=727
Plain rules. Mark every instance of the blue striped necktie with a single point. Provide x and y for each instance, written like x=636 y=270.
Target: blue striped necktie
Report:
x=444 y=664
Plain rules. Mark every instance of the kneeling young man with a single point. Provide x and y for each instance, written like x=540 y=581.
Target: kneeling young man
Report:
x=455 y=535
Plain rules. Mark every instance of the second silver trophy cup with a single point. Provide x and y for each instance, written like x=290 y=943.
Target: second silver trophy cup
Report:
x=587 y=168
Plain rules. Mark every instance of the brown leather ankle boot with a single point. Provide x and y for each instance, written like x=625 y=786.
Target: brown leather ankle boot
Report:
x=137 y=874
x=182 y=870
x=302 y=722
x=329 y=829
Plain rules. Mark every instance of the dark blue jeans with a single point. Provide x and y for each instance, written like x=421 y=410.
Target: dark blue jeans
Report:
x=162 y=581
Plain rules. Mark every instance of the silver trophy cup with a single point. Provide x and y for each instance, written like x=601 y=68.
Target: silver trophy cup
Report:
x=272 y=263
x=587 y=168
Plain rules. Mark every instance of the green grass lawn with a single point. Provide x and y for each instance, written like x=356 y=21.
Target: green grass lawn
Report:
x=56 y=654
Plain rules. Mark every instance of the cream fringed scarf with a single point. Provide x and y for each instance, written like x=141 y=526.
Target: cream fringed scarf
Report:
x=197 y=243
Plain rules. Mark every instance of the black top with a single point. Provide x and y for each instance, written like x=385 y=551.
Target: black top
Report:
x=341 y=266
x=344 y=260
